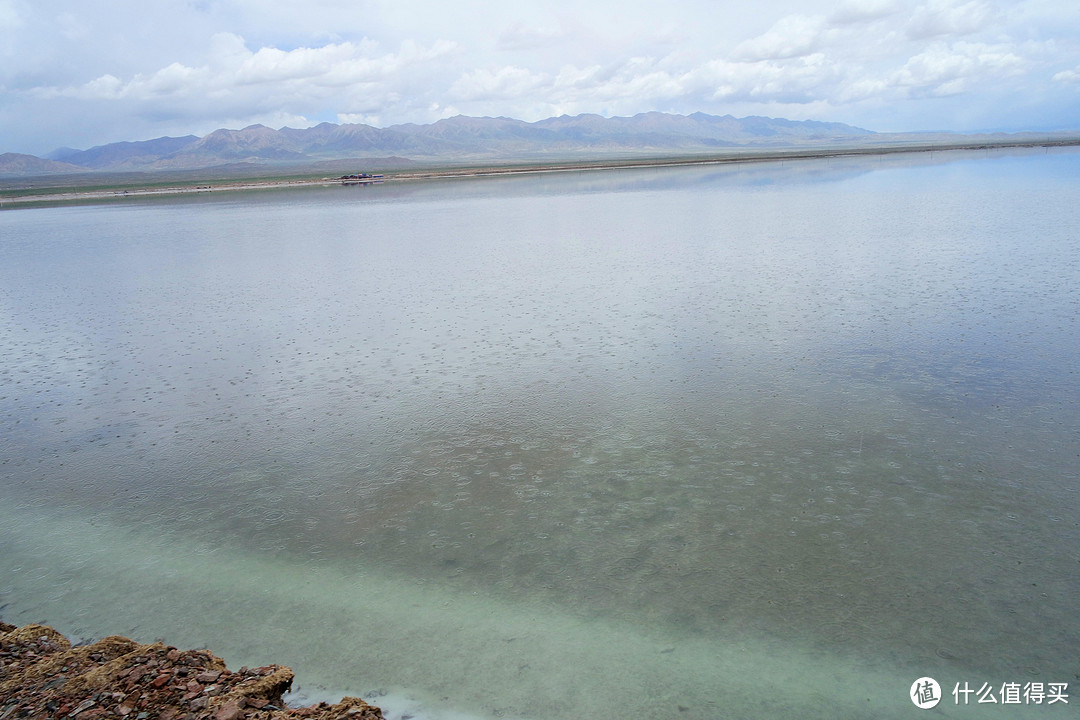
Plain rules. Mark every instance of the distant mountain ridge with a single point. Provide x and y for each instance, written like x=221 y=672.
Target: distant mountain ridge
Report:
x=123 y=154
x=20 y=164
x=458 y=138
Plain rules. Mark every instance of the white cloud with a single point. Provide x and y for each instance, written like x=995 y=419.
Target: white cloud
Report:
x=662 y=82
x=332 y=65
x=10 y=24
x=570 y=87
x=1068 y=77
x=950 y=69
x=309 y=71
x=527 y=37
x=9 y=16
x=509 y=82
x=949 y=17
x=791 y=36
x=76 y=69
x=71 y=27
x=796 y=82
x=862 y=11
x=358 y=119
x=862 y=89
x=227 y=50
x=641 y=77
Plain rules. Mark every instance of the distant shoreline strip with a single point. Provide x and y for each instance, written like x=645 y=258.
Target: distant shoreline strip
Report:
x=74 y=195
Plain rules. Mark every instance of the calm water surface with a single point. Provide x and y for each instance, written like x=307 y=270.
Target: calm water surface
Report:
x=769 y=440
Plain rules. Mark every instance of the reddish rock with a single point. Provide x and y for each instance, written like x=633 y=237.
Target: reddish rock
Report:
x=229 y=711
x=43 y=678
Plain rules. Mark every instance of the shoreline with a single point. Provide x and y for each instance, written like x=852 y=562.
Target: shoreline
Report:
x=205 y=185
x=42 y=675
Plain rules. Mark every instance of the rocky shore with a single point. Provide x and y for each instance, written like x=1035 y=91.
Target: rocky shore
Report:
x=43 y=676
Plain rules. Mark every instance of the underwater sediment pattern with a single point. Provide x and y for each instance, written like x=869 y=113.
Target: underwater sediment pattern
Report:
x=816 y=405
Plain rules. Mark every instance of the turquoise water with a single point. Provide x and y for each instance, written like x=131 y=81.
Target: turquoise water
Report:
x=766 y=440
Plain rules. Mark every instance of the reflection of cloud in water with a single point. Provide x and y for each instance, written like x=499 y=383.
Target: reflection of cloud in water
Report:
x=836 y=416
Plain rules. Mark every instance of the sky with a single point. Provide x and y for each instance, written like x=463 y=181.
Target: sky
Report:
x=80 y=73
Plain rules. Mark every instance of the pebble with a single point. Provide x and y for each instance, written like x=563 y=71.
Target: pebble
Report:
x=84 y=705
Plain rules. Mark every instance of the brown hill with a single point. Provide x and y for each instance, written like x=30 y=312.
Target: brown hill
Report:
x=18 y=164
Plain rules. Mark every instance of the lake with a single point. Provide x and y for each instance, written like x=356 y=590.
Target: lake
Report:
x=762 y=440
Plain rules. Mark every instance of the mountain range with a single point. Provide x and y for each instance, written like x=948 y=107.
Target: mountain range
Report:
x=456 y=139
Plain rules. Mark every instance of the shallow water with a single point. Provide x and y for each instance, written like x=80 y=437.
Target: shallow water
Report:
x=767 y=440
